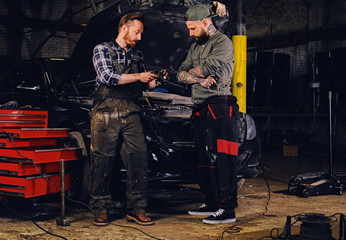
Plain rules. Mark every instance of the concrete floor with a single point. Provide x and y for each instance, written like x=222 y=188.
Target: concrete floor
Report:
x=264 y=204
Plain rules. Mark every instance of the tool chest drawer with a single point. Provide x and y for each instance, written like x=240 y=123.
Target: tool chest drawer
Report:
x=28 y=169
x=34 y=132
x=31 y=161
x=32 y=186
x=23 y=118
x=42 y=155
x=19 y=143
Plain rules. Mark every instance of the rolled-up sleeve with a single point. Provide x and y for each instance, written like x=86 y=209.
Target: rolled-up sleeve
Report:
x=103 y=66
x=186 y=64
x=222 y=53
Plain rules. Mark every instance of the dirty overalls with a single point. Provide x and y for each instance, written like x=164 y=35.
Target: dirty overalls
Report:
x=216 y=129
x=115 y=116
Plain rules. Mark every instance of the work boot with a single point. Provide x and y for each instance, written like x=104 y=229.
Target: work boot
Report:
x=101 y=220
x=203 y=210
x=220 y=217
x=140 y=219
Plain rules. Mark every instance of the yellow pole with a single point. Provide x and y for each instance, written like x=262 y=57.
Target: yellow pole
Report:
x=239 y=73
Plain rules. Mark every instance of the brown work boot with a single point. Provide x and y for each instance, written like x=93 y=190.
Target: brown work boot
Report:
x=140 y=219
x=101 y=220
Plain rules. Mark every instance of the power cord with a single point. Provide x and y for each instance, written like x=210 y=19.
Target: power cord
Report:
x=46 y=231
x=32 y=218
x=72 y=200
x=231 y=230
x=135 y=229
x=236 y=229
x=280 y=236
x=320 y=231
x=269 y=195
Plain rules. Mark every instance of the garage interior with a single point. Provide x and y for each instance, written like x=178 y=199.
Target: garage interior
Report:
x=295 y=92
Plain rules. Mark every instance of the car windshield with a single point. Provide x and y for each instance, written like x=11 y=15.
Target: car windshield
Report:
x=59 y=72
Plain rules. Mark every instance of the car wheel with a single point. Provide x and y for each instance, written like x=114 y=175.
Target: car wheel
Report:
x=80 y=168
x=306 y=193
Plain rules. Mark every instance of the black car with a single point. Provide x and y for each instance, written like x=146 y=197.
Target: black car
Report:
x=64 y=87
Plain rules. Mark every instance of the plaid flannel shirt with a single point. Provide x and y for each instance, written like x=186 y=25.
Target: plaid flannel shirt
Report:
x=102 y=60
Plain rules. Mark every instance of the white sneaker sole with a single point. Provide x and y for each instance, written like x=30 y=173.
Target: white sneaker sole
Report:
x=200 y=213
x=229 y=220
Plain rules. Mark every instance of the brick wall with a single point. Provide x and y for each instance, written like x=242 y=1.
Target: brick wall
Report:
x=57 y=43
x=266 y=18
x=43 y=16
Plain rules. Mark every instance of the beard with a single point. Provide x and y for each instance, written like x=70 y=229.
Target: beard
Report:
x=129 y=42
x=202 y=39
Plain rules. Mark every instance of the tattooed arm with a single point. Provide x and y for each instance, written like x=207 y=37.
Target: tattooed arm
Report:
x=189 y=74
x=188 y=78
x=197 y=72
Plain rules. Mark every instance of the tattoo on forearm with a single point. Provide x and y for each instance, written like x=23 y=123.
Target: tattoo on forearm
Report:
x=196 y=72
x=185 y=77
x=211 y=29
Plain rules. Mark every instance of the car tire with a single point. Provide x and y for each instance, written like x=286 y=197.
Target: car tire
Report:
x=80 y=168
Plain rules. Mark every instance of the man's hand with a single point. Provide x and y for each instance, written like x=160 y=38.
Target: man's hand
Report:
x=164 y=72
x=207 y=82
x=146 y=77
x=220 y=8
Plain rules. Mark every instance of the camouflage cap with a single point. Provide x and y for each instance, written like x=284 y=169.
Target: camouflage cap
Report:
x=198 y=12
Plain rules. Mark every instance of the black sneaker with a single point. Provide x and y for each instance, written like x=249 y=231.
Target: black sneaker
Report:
x=202 y=210
x=220 y=217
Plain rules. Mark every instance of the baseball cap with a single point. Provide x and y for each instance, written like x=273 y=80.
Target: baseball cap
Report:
x=198 y=12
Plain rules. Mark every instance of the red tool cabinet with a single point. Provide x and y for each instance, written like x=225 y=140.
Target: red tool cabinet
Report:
x=23 y=118
x=34 y=132
x=40 y=155
x=32 y=186
x=27 y=169
x=32 y=142
x=29 y=156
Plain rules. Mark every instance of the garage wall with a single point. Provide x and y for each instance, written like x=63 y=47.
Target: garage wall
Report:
x=40 y=28
x=299 y=29
x=50 y=28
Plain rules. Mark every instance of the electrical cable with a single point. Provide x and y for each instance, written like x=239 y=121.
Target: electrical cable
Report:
x=72 y=200
x=269 y=196
x=278 y=236
x=236 y=229
x=32 y=219
x=231 y=230
x=313 y=231
x=15 y=212
x=135 y=229
x=46 y=231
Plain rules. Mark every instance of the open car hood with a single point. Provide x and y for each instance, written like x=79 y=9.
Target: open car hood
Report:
x=165 y=40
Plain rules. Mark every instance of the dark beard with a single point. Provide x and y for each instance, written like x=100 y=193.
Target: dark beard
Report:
x=202 y=40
